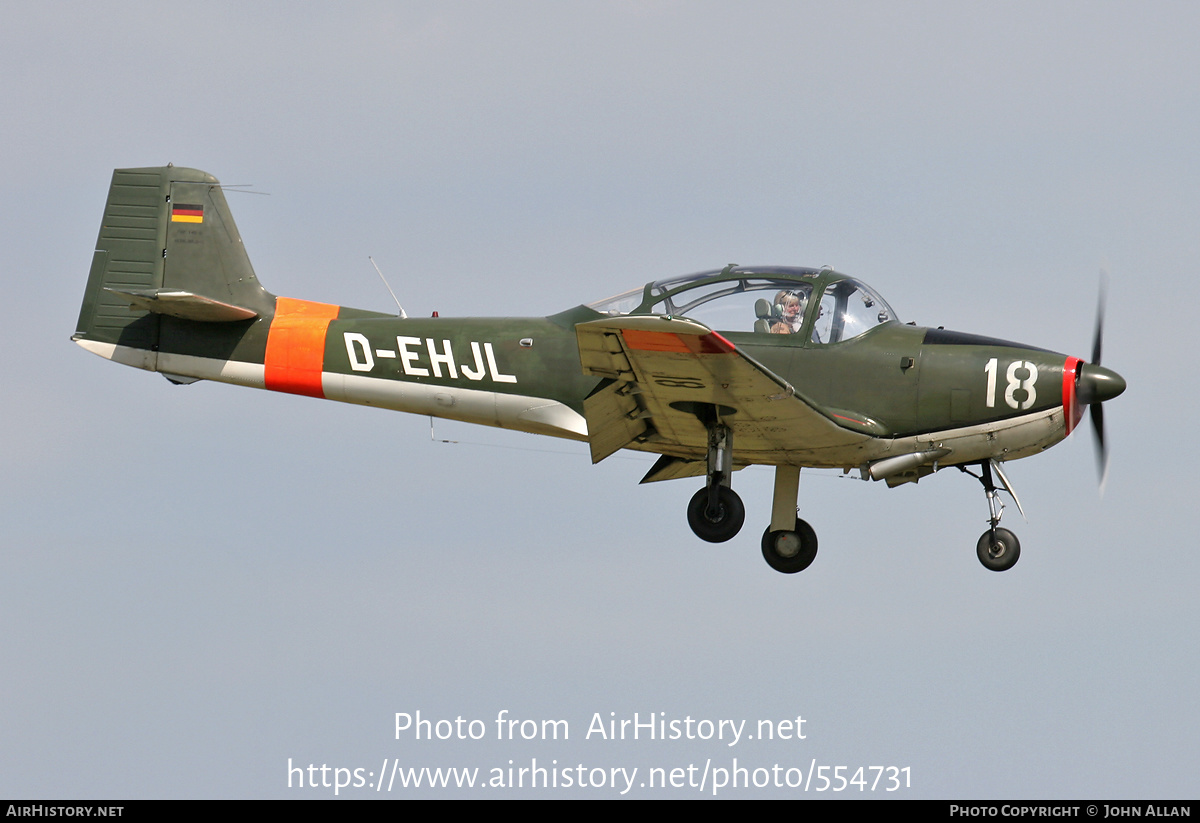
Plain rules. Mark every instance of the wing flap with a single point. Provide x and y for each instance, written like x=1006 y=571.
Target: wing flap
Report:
x=614 y=419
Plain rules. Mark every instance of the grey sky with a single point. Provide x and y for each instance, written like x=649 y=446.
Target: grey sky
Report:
x=203 y=582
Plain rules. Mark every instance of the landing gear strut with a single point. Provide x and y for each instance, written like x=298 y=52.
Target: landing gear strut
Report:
x=998 y=549
x=716 y=513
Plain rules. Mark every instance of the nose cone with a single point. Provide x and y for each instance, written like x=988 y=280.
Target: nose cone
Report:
x=1097 y=384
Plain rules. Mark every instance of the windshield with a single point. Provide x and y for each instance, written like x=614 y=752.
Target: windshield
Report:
x=847 y=310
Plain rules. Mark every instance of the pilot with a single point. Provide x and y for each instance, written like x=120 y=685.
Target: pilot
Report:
x=790 y=306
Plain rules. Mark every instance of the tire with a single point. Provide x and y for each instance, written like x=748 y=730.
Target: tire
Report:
x=730 y=515
x=1002 y=555
x=786 y=556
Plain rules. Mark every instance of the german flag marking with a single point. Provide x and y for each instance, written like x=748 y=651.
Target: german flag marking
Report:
x=187 y=213
x=296 y=346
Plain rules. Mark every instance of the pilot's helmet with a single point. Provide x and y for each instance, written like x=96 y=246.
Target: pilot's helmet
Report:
x=787 y=297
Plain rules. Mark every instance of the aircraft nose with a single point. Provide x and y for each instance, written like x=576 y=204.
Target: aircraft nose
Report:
x=1097 y=384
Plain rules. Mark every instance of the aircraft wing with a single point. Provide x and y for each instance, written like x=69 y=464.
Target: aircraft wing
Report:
x=664 y=374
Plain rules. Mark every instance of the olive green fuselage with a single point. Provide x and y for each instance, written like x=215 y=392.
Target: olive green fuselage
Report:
x=895 y=383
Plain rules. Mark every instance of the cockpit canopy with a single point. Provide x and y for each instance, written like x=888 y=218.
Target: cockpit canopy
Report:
x=824 y=306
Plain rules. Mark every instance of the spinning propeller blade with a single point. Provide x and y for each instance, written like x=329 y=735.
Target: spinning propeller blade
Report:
x=1097 y=384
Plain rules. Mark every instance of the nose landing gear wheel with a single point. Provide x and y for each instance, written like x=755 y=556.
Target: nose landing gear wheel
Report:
x=999 y=554
x=718 y=523
x=790 y=552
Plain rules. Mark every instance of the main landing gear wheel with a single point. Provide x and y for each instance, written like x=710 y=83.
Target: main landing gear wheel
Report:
x=1001 y=553
x=718 y=523
x=790 y=552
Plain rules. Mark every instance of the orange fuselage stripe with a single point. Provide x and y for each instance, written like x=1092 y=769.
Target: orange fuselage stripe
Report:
x=296 y=346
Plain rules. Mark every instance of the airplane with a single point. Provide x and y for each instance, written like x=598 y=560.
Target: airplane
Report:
x=744 y=365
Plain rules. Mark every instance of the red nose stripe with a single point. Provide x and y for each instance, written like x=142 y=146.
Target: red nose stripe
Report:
x=296 y=346
x=1072 y=410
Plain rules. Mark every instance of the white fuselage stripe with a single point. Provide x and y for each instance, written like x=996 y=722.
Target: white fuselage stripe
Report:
x=536 y=415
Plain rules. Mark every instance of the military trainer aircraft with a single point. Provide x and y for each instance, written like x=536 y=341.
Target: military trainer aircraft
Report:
x=786 y=367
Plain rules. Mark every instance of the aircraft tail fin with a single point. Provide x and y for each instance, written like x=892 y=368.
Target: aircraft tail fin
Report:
x=167 y=246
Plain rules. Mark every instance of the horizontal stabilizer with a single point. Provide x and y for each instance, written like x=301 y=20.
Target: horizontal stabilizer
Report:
x=184 y=305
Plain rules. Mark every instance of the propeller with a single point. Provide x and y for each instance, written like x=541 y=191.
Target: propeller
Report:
x=1094 y=384
x=1097 y=409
